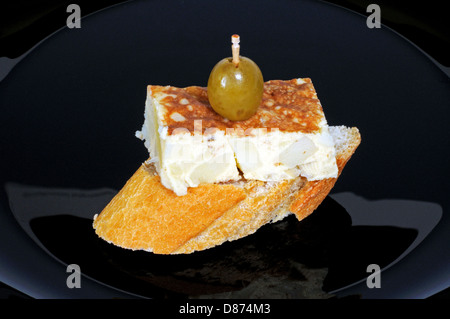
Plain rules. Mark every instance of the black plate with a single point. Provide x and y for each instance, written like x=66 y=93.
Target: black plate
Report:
x=70 y=108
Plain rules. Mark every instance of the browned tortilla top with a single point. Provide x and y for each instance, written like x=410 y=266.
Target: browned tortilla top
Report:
x=286 y=106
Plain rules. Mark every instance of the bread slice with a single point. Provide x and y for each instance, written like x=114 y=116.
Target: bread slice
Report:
x=145 y=215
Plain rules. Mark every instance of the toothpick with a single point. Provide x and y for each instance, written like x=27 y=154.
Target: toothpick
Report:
x=235 y=48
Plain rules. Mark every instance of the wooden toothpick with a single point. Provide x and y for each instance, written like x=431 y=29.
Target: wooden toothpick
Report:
x=235 y=48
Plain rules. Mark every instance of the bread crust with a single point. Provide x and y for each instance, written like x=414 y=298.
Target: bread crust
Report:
x=309 y=197
x=145 y=215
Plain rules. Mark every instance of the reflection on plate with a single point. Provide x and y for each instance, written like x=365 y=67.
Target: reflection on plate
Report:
x=314 y=258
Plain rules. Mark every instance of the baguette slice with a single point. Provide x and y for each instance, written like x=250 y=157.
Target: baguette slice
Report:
x=145 y=215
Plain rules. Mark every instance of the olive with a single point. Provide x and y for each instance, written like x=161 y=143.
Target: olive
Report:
x=235 y=87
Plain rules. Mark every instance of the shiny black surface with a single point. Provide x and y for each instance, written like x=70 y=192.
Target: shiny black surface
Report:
x=326 y=240
x=69 y=110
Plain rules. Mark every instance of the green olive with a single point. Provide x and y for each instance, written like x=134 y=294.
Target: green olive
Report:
x=235 y=91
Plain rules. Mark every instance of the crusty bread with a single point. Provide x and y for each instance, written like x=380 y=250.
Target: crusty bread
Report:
x=144 y=215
